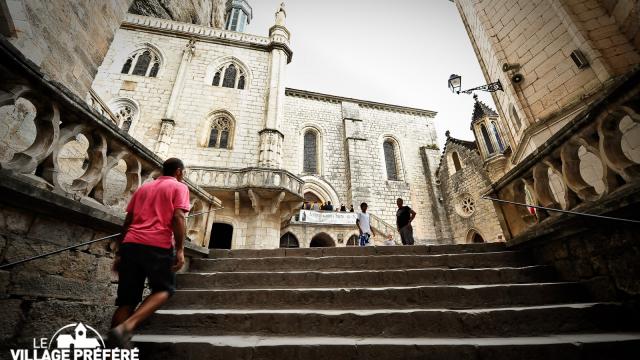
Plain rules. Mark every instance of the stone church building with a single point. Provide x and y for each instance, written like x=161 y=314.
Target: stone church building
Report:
x=217 y=99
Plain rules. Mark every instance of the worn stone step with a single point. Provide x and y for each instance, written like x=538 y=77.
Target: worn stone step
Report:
x=373 y=278
x=360 y=251
x=471 y=260
x=618 y=346
x=436 y=296
x=514 y=321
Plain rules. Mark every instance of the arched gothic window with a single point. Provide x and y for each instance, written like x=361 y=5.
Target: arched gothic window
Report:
x=390 y=160
x=496 y=133
x=126 y=112
x=487 y=139
x=514 y=116
x=456 y=161
x=310 y=160
x=143 y=62
x=221 y=132
x=230 y=76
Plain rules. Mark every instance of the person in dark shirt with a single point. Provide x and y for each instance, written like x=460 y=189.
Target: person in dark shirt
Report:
x=343 y=208
x=351 y=208
x=328 y=207
x=404 y=217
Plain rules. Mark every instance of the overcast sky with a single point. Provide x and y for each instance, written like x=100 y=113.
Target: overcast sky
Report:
x=392 y=51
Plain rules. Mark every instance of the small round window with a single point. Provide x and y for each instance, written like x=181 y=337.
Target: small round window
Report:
x=466 y=205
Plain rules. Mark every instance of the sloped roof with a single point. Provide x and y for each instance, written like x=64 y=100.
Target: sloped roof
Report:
x=471 y=145
x=481 y=110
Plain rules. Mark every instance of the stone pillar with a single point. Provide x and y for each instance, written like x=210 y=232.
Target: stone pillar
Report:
x=168 y=121
x=358 y=154
x=270 y=137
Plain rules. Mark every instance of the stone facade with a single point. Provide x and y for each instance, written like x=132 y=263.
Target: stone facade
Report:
x=536 y=39
x=463 y=182
x=66 y=39
x=176 y=109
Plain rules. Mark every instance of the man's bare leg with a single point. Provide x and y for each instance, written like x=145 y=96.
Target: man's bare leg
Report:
x=121 y=315
x=146 y=309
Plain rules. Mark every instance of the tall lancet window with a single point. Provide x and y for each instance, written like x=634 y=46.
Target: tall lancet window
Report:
x=390 y=160
x=310 y=160
x=487 y=139
x=494 y=127
x=230 y=77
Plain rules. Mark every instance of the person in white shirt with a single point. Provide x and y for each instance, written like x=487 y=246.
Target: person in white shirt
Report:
x=364 y=225
x=389 y=240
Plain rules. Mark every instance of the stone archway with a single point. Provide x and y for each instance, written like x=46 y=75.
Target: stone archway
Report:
x=474 y=237
x=322 y=240
x=353 y=241
x=288 y=240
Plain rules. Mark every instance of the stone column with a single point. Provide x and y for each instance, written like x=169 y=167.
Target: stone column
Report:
x=168 y=121
x=358 y=154
x=271 y=137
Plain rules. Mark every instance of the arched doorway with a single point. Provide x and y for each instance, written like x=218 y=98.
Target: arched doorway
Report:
x=474 y=237
x=353 y=240
x=289 y=240
x=322 y=240
x=221 y=236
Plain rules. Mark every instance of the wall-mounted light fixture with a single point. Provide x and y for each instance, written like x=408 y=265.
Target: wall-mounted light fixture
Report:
x=455 y=84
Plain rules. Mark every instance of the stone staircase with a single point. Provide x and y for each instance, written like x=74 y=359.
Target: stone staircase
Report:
x=476 y=301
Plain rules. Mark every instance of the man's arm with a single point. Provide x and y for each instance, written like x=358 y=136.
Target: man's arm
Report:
x=125 y=227
x=413 y=215
x=358 y=225
x=179 y=233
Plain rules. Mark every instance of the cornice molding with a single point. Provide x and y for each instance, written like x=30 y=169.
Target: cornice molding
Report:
x=364 y=103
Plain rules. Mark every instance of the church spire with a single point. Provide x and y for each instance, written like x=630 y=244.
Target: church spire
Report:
x=238 y=15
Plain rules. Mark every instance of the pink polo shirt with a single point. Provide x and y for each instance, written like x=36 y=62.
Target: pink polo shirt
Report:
x=153 y=205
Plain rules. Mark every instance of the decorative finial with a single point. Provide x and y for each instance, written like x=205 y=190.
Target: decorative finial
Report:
x=475 y=97
x=281 y=15
x=447 y=133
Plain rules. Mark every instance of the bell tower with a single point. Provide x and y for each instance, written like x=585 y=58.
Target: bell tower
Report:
x=238 y=15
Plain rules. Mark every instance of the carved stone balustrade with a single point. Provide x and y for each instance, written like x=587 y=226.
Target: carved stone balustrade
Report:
x=98 y=104
x=58 y=120
x=592 y=165
x=249 y=178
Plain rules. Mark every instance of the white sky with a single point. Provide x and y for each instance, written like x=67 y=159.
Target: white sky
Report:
x=391 y=51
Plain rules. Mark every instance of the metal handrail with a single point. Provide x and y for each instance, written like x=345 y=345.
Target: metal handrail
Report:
x=82 y=244
x=562 y=211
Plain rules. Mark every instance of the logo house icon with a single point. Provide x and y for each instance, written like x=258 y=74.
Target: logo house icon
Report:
x=79 y=339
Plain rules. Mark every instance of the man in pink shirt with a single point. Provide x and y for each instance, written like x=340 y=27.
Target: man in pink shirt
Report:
x=153 y=228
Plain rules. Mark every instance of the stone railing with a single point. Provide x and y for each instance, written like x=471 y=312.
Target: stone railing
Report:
x=67 y=148
x=98 y=105
x=384 y=227
x=236 y=179
x=592 y=165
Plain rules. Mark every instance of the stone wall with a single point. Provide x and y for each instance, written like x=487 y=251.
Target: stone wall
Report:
x=458 y=187
x=41 y=296
x=539 y=37
x=204 y=12
x=589 y=249
x=67 y=39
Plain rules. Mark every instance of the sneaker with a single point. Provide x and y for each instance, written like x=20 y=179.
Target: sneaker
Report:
x=118 y=338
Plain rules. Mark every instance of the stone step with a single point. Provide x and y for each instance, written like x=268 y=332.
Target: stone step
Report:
x=496 y=322
x=437 y=296
x=360 y=251
x=373 y=278
x=618 y=346
x=470 y=260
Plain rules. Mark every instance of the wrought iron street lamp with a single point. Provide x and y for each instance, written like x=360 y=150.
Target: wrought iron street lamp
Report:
x=455 y=84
